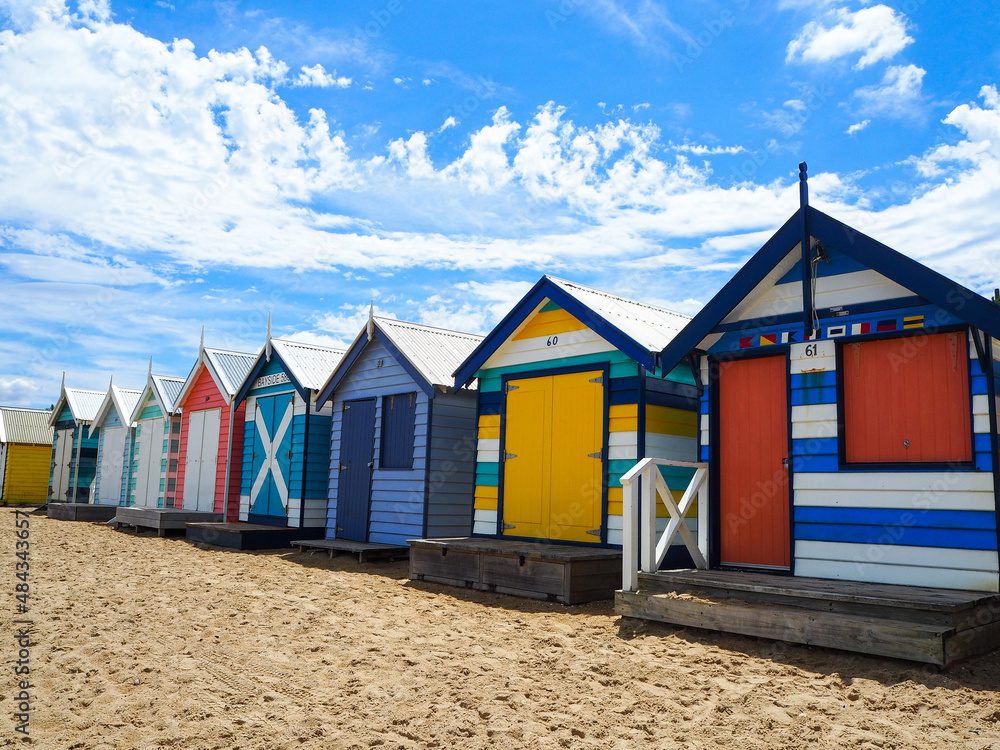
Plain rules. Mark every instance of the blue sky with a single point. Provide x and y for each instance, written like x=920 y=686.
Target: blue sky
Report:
x=170 y=165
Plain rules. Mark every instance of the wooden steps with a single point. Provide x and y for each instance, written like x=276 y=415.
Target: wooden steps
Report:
x=81 y=511
x=552 y=572
x=249 y=536
x=933 y=626
x=161 y=520
x=364 y=551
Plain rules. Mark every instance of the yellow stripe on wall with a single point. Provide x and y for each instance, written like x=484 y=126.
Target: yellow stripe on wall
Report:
x=489 y=426
x=486 y=498
x=623 y=418
x=616 y=499
x=27 y=473
x=665 y=420
x=548 y=324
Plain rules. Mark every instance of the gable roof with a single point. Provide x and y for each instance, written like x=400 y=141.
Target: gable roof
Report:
x=638 y=330
x=83 y=404
x=429 y=355
x=26 y=426
x=919 y=279
x=308 y=365
x=227 y=368
x=122 y=399
x=165 y=389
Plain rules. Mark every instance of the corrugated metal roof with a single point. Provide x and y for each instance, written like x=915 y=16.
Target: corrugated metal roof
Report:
x=310 y=365
x=168 y=388
x=649 y=326
x=28 y=426
x=435 y=352
x=231 y=367
x=83 y=404
x=123 y=400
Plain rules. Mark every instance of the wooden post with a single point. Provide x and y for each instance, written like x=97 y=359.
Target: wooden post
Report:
x=630 y=537
x=703 y=519
x=647 y=521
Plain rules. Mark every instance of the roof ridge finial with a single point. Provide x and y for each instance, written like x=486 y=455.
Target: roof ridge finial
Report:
x=201 y=346
x=62 y=385
x=111 y=383
x=267 y=343
x=150 y=365
x=803 y=185
x=371 y=320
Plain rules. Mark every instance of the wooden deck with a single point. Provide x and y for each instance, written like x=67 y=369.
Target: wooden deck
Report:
x=553 y=572
x=81 y=511
x=161 y=520
x=364 y=551
x=933 y=626
x=249 y=536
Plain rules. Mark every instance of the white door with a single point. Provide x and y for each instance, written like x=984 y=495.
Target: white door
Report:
x=112 y=448
x=201 y=462
x=61 y=471
x=147 y=484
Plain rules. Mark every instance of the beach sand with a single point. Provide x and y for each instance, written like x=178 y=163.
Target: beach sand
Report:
x=142 y=642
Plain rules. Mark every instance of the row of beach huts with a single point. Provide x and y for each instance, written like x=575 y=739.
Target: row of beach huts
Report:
x=815 y=453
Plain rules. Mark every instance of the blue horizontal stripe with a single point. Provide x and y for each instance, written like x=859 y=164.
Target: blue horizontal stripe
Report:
x=902 y=517
x=982 y=442
x=823 y=379
x=487 y=474
x=704 y=454
x=806 y=447
x=979 y=385
x=810 y=396
x=984 y=461
x=897 y=535
x=617 y=398
x=818 y=464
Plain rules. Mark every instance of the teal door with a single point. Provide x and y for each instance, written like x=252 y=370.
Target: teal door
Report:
x=272 y=460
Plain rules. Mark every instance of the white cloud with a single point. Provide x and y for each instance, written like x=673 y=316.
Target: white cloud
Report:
x=877 y=32
x=451 y=122
x=701 y=150
x=317 y=76
x=639 y=107
x=898 y=95
x=857 y=127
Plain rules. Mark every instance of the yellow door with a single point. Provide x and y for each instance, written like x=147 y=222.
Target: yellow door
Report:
x=553 y=472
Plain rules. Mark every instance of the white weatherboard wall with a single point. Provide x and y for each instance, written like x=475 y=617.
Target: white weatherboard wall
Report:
x=914 y=490
x=201 y=462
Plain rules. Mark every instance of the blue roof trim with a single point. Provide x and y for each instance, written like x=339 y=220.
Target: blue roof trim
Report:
x=919 y=279
x=733 y=292
x=962 y=302
x=546 y=289
x=344 y=366
x=259 y=365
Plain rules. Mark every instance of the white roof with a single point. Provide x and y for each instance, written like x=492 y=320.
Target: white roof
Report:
x=652 y=327
x=310 y=365
x=83 y=404
x=435 y=352
x=123 y=400
x=227 y=368
x=166 y=388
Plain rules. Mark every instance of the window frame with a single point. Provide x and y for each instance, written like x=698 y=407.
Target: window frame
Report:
x=913 y=466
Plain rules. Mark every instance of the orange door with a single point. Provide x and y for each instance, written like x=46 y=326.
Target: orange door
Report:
x=753 y=481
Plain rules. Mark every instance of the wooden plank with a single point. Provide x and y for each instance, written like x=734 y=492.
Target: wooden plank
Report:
x=972 y=642
x=457 y=566
x=912 y=641
x=530 y=575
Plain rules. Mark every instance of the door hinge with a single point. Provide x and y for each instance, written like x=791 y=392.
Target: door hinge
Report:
x=594 y=532
x=511 y=387
x=507 y=456
x=508 y=526
x=599 y=454
x=340 y=467
x=598 y=379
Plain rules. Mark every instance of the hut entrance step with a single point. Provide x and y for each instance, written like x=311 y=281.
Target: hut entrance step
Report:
x=249 y=536
x=932 y=626
x=364 y=551
x=81 y=511
x=160 y=520
x=552 y=572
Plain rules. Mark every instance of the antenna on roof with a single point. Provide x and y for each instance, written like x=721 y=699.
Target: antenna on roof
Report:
x=371 y=320
x=267 y=344
x=803 y=185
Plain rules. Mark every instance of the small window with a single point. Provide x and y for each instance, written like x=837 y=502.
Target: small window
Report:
x=176 y=428
x=906 y=400
x=398 y=418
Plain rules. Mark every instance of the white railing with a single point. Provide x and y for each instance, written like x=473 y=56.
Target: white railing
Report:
x=639 y=518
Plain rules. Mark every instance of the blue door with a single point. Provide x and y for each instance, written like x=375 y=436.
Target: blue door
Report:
x=272 y=459
x=354 y=486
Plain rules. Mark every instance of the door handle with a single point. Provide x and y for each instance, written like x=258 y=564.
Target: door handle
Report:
x=784 y=462
x=341 y=467
x=371 y=464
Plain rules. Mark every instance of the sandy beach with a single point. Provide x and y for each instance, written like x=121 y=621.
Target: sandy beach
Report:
x=142 y=642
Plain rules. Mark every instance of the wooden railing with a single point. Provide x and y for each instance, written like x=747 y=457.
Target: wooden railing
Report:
x=639 y=518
